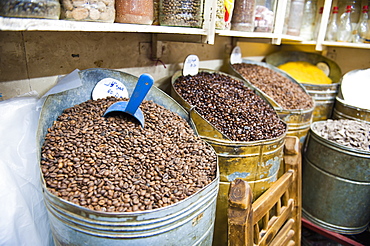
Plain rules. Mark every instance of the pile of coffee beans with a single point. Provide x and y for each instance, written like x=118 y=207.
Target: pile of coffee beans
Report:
x=286 y=93
x=230 y=106
x=349 y=133
x=112 y=164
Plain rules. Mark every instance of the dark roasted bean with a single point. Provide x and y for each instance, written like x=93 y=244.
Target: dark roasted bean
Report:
x=119 y=170
x=231 y=107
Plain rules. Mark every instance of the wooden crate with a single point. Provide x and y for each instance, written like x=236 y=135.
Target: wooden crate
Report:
x=275 y=217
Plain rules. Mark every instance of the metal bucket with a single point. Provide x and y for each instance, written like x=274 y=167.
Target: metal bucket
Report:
x=190 y=221
x=324 y=95
x=257 y=162
x=345 y=111
x=335 y=185
x=298 y=120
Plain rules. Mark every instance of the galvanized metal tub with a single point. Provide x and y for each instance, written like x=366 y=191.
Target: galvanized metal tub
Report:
x=298 y=120
x=342 y=110
x=335 y=185
x=190 y=221
x=324 y=95
x=257 y=162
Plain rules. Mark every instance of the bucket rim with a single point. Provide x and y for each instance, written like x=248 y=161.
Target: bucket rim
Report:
x=366 y=153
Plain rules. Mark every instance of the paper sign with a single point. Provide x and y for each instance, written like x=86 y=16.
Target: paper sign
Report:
x=191 y=65
x=109 y=87
x=236 y=55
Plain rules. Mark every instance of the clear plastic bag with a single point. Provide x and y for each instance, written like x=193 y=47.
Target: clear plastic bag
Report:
x=23 y=216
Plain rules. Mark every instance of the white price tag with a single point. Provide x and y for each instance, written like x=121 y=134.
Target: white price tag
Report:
x=109 y=87
x=191 y=65
x=236 y=55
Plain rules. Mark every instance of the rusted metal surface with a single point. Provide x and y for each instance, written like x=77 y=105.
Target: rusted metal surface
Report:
x=190 y=221
x=336 y=185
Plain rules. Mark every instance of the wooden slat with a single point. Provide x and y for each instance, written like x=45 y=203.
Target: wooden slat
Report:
x=268 y=199
x=274 y=229
x=283 y=234
x=288 y=238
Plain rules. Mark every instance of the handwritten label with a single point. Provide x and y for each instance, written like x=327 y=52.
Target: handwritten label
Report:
x=236 y=55
x=191 y=65
x=109 y=87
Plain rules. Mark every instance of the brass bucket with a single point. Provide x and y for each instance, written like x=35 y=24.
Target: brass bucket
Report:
x=298 y=120
x=257 y=162
x=189 y=221
x=324 y=95
x=335 y=185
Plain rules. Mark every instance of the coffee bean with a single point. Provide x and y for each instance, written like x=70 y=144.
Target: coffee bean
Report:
x=120 y=170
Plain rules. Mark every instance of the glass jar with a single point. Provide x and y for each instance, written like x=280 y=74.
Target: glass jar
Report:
x=134 y=11
x=295 y=17
x=308 y=21
x=243 y=15
x=46 y=9
x=185 y=13
x=264 y=16
x=86 y=10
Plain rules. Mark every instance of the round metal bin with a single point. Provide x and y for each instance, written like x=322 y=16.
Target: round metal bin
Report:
x=324 y=95
x=190 y=221
x=335 y=185
x=345 y=111
x=298 y=120
x=257 y=162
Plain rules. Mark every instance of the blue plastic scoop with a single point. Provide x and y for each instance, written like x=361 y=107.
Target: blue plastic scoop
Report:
x=131 y=107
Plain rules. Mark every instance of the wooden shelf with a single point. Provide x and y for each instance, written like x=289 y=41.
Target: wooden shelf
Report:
x=29 y=24
x=233 y=33
x=347 y=45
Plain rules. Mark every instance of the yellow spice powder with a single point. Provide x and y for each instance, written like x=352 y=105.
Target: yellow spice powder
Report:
x=305 y=72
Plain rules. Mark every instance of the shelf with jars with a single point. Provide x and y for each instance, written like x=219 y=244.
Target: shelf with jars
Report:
x=271 y=21
x=75 y=16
